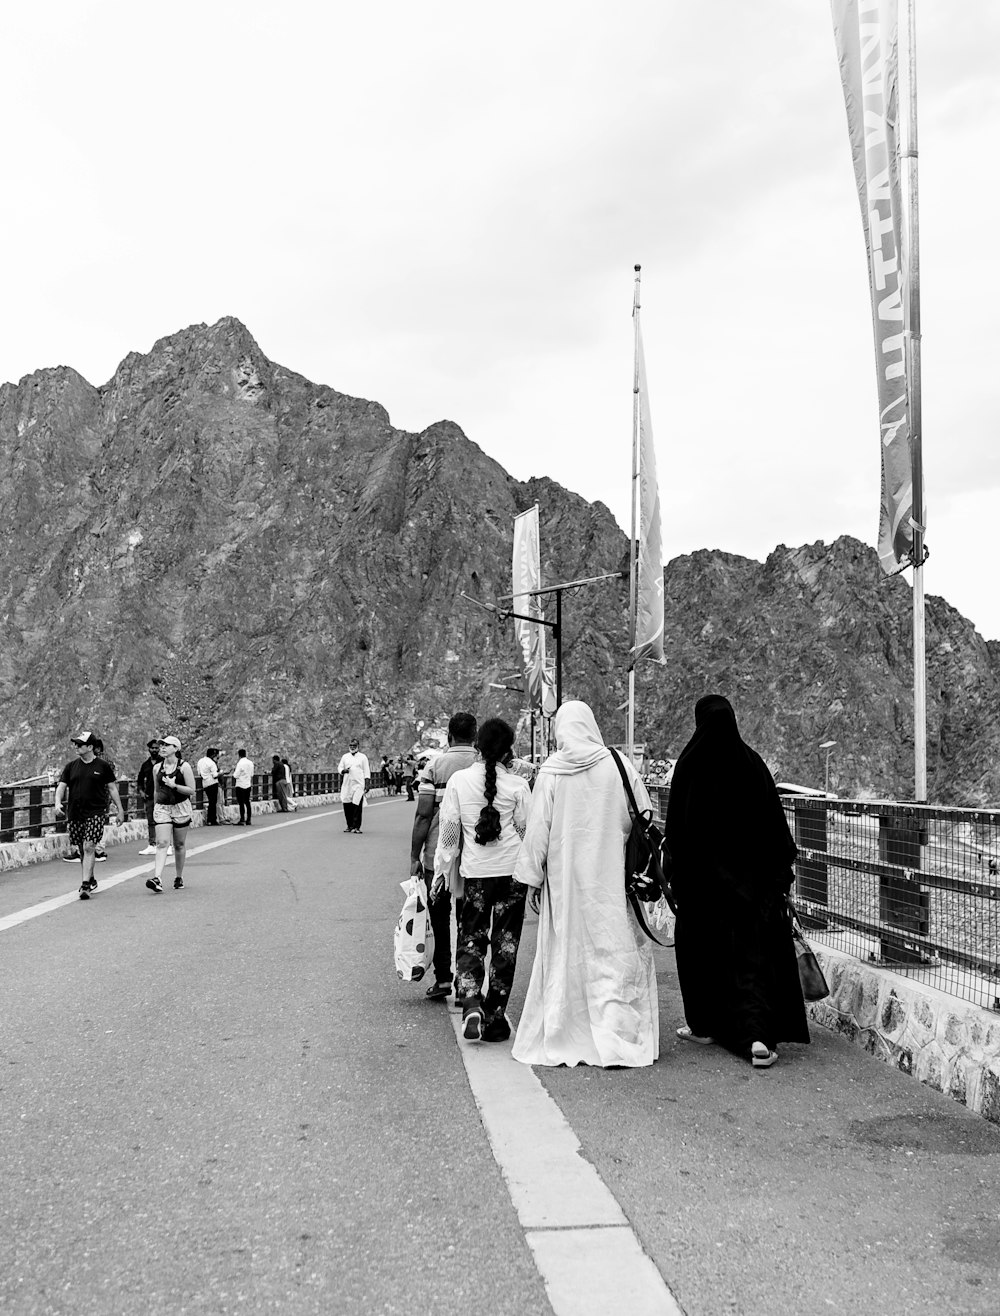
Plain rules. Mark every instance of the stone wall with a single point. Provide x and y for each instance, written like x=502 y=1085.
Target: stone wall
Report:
x=949 y=1044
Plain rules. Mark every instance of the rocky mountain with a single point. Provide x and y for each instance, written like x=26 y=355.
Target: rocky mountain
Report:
x=211 y=544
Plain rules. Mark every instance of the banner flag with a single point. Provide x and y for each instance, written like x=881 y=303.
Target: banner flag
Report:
x=549 y=705
x=648 y=639
x=527 y=575
x=866 y=33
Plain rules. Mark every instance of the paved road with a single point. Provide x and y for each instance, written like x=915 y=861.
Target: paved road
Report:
x=222 y=1100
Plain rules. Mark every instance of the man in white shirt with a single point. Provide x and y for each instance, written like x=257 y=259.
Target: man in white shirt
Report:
x=355 y=780
x=208 y=771
x=242 y=786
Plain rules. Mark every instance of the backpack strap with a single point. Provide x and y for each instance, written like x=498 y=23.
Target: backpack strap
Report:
x=625 y=781
x=636 y=815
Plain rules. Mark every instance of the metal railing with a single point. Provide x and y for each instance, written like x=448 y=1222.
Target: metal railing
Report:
x=915 y=888
x=27 y=811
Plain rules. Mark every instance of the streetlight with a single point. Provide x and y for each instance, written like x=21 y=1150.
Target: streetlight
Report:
x=827 y=745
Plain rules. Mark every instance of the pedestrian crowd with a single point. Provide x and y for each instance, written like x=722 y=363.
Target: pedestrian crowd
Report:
x=87 y=796
x=487 y=842
x=492 y=835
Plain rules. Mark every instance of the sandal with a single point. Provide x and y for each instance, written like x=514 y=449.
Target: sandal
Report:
x=761 y=1056
x=686 y=1035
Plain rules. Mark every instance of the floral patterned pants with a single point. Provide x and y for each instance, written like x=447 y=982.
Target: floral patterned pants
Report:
x=491 y=916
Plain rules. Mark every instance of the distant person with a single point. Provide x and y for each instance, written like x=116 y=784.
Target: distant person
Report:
x=591 y=997
x=279 y=785
x=482 y=820
x=100 y=854
x=208 y=771
x=243 y=786
x=431 y=783
x=289 y=783
x=412 y=767
x=82 y=793
x=173 y=811
x=732 y=870
x=385 y=771
x=144 y=785
x=397 y=770
x=355 y=781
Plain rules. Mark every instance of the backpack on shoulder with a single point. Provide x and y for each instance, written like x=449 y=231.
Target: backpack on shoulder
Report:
x=647 y=859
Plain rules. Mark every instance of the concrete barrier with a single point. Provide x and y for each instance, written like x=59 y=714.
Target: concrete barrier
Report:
x=951 y=1045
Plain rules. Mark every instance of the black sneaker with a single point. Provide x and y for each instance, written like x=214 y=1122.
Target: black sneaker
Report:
x=72 y=858
x=84 y=892
x=155 y=885
x=497 y=1030
x=439 y=991
x=90 y=883
x=178 y=883
x=100 y=857
x=472 y=1023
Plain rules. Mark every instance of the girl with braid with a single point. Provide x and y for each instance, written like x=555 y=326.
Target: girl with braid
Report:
x=482 y=821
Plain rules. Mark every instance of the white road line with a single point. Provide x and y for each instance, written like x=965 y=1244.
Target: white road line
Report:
x=586 y=1252
x=106 y=883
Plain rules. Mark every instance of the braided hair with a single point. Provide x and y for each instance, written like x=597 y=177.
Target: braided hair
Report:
x=494 y=742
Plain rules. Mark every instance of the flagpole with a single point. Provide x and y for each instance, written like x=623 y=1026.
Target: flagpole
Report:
x=911 y=255
x=632 y=545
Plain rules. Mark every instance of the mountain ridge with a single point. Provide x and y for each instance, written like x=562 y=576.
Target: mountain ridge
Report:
x=211 y=542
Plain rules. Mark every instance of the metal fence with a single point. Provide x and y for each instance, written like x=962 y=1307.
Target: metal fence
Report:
x=912 y=887
x=26 y=811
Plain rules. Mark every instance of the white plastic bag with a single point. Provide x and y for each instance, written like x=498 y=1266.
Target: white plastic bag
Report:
x=661 y=919
x=413 y=940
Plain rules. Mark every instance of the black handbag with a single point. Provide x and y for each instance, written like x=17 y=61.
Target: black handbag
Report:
x=645 y=849
x=813 y=983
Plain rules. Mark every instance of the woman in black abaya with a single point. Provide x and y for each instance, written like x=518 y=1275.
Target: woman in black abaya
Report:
x=732 y=869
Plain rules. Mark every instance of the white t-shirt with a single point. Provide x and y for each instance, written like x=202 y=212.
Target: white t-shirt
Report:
x=243 y=773
x=356 y=767
x=208 y=771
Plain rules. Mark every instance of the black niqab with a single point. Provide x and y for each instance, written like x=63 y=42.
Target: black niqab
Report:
x=725 y=822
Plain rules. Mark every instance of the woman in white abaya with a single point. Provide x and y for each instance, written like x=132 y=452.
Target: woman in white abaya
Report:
x=592 y=995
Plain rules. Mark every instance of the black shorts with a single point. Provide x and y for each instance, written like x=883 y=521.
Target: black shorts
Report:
x=90 y=829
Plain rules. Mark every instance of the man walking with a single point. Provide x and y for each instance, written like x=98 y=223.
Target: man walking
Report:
x=88 y=782
x=208 y=771
x=431 y=782
x=144 y=784
x=242 y=786
x=355 y=781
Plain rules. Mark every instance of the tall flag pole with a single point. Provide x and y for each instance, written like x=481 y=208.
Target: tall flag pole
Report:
x=646 y=550
x=867 y=36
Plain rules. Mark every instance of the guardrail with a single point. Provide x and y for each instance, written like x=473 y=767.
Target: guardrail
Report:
x=913 y=887
x=27 y=811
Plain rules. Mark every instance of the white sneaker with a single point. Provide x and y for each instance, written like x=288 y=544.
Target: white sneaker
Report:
x=150 y=849
x=170 y=852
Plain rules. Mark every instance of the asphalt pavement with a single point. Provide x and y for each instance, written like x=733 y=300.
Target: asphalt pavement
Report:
x=223 y=1100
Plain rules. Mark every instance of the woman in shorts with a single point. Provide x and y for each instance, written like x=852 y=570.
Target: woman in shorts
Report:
x=173 y=787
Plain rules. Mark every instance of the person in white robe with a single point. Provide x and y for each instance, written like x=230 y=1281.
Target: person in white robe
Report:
x=592 y=994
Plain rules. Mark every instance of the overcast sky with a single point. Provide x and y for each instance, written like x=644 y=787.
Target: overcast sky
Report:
x=438 y=206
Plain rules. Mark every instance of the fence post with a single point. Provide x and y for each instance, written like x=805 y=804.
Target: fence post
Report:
x=812 y=879
x=902 y=901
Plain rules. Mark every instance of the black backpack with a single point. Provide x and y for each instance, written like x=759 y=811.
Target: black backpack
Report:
x=646 y=878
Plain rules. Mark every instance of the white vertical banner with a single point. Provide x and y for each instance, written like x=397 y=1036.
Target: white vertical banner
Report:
x=648 y=640
x=867 y=38
x=527 y=575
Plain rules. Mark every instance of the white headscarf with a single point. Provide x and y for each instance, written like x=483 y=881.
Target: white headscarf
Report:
x=579 y=743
